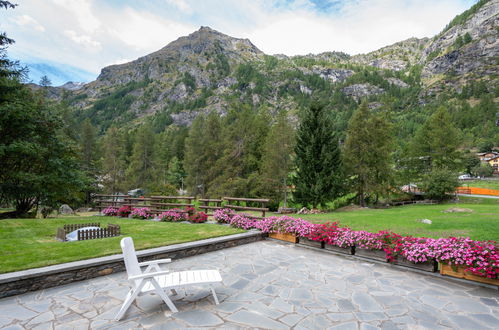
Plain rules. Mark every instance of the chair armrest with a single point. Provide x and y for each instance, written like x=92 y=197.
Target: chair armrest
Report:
x=152 y=262
x=147 y=275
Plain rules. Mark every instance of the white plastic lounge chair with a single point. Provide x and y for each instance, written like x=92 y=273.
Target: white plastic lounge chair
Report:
x=159 y=280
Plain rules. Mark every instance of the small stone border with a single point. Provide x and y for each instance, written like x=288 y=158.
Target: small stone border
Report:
x=45 y=277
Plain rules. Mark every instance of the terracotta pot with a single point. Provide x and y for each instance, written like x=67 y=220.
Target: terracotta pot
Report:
x=458 y=271
x=312 y=243
x=428 y=266
x=284 y=237
x=379 y=255
x=346 y=250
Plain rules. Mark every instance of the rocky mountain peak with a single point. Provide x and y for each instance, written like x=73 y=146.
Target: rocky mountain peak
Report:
x=206 y=39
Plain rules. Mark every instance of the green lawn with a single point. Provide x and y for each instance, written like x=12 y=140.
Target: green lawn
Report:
x=488 y=184
x=481 y=224
x=30 y=243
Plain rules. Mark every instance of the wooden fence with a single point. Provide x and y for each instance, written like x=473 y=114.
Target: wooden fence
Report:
x=111 y=231
x=210 y=205
x=236 y=206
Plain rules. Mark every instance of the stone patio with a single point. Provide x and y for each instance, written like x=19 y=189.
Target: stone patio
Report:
x=271 y=285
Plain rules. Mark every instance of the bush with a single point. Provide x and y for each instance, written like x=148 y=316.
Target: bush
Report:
x=173 y=215
x=124 y=211
x=224 y=215
x=198 y=217
x=440 y=184
x=110 y=211
x=141 y=213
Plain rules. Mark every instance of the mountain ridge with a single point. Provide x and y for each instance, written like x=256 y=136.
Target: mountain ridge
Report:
x=209 y=71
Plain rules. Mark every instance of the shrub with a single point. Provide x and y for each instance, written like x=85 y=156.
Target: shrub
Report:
x=198 y=217
x=173 y=215
x=285 y=224
x=224 y=215
x=243 y=221
x=141 y=213
x=124 y=211
x=110 y=211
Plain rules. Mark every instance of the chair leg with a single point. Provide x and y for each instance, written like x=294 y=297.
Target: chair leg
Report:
x=164 y=296
x=214 y=294
x=132 y=294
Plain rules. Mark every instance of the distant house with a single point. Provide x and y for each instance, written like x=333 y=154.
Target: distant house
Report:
x=494 y=162
x=486 y=156
x=492 y=158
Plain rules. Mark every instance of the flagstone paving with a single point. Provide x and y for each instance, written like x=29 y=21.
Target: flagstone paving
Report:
x=270 y=285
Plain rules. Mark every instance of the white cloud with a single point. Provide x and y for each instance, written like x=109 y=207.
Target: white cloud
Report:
x=144 y=31
x=181 y=5
x=83 y=40
x=82 y=11
x=26 y=20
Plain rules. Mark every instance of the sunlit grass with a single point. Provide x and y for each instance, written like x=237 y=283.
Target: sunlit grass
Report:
x=30 y=243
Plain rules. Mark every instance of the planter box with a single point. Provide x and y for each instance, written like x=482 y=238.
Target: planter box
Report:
x=284 y=237
x=346 y=250
x=379 y=255
x=312 y=243
x=458 y=271
x=428 y=266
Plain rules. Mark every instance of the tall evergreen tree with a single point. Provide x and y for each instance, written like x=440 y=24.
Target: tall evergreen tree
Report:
x=318 y=178
x=236 y=171
x=277 y=160
x=435 y=155
x=113 y=160
x=140 y=172
x=367 y=153
x=89 y=154
x=436 y=143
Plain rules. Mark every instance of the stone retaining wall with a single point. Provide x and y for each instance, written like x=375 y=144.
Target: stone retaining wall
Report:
x=40 y=278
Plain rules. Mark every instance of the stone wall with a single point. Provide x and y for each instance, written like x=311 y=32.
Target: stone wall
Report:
x=40 y=278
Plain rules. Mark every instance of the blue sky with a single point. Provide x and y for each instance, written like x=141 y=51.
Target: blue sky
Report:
x=75 y=39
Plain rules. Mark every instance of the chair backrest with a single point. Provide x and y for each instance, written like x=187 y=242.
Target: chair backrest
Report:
x=130 y=257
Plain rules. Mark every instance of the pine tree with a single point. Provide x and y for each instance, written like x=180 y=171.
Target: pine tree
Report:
x=140 y=172
x=436 y=143
x=277 y=160
x=113 y=160
x=367 y=153
x=435 y=155
x=89 y=154
x=318 y=178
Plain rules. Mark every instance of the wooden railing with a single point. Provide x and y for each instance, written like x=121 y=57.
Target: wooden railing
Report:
x=105 y=201
x=160 y=204
x=237 y=201
x=210 y=204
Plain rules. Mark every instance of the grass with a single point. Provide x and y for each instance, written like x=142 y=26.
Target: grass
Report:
x=480 y=224
x=487 y=184
x=31 y=243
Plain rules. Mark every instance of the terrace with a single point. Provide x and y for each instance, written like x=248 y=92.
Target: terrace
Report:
x=269 y=284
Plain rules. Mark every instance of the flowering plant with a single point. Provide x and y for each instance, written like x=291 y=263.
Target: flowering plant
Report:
x=110 y=211
x=141 y=213
x=366 y=240
x=286 y=224
x=124 y=211
x=224 y=215
x=324 y=232
x=190 y=210
x=173 y=215
x=242 y=221
x=198 y=217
